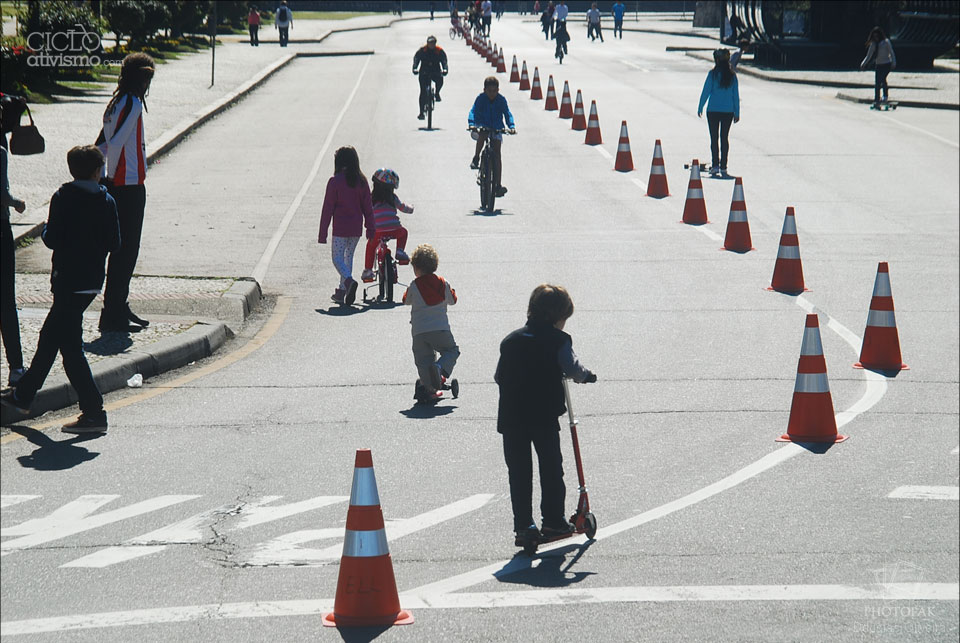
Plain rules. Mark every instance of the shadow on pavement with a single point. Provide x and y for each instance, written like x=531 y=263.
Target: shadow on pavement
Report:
x=362 y=634
x=427 y=411
x=53 y=455
x=342 y=311
x=551 y=572
x=816 y=447
x=109 y=344
x=484 y=213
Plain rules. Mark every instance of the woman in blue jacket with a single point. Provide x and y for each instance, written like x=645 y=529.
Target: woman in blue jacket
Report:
x=723 y=109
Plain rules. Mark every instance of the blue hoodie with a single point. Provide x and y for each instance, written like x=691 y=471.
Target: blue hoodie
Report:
x=487 y=113
x=722 y=99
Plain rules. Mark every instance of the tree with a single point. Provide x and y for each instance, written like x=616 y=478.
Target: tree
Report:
x=140 y=20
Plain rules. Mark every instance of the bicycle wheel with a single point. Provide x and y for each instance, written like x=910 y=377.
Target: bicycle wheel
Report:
x=484 y=173
x=453 y=33
x=390 y=270
x=382 y=277
x=488 y=187
x=429 y=109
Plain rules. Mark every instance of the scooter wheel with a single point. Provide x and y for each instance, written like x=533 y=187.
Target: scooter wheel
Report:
x=590 y=525
x=455 y=388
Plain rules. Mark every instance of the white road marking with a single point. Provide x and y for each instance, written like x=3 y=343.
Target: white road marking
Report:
x=604 y=153
x=639 y=183
x=15 y=499
x=634 y=65
x=190 y=530
x=923 y=131
x=654 y=594
x=926 y=493
x=710 y=233
x=287 y=550
x=260 y=271
x=74 y=518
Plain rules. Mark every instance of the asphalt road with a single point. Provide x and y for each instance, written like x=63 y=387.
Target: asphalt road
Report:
x=222 y=499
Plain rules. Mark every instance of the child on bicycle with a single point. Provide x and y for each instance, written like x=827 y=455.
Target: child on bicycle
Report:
x=489 y=110
x=385 y=206
x=429 y=296
x=533 y=362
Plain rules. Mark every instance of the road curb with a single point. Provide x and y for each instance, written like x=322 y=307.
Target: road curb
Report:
x=900 y=103
x=199 y=341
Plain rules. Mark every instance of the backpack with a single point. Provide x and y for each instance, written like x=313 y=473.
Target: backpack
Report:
x=283 y=14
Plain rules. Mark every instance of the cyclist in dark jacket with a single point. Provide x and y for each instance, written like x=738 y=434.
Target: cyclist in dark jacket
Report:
x=432 y=63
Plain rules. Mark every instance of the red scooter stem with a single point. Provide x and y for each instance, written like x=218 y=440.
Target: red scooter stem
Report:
x=584 y=504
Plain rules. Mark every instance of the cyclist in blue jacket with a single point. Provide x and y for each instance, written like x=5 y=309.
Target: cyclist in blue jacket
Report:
x=490 y=109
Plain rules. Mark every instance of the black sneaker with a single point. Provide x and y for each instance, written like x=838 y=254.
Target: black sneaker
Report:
x=475 y=163
x=528 y=535
x=501 y=191
x=351 y=294
x=140 y=321
x=558 y=530
x=9 y=401
x=438 y=99
x=87 y=424
x=420 y=116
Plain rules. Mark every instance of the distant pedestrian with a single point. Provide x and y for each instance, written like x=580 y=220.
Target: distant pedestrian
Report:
x=123 y=143
x=11 y=107
x=593 y=23
x=81 y=229
x=880 y=50
x=546 y=22
x=431 y=9
x=617 y=10
x=283 y=22
x=347 y=203
x=428 y=297
x=560 y=13
x=253 y=23
x=723 y=92
x=534 y=360
x=486 y=12
x=536 y=6
x=386 y=203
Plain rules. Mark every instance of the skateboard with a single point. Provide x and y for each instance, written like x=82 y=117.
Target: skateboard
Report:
x=883 y=107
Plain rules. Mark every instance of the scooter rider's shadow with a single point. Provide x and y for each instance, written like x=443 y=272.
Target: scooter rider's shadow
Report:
x=552 y=570
x=51 y=454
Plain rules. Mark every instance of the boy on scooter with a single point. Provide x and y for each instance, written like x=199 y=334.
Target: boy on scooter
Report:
x=533 y=362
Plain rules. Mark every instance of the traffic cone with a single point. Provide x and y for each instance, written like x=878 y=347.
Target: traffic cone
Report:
x=788 y=271
x=593 y=127
x=624 y=160
x=514 y=72
x=811 y=413
x=501 y=67
x=536 y=93
x=366 y=589
x=566 y=108
x=493 y=56
x=881 y=343
x=551 y=102
x=579 y=120
x=738 y=228
x=524 y=79
x=695 y=208
x=657 y=184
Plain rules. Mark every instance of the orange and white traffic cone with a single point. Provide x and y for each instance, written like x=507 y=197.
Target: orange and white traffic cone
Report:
x=811 y=413
x=881 y=343
x=566 y=108
x=695 y=208
x=579 y=118
x=514 y=72
x=657 y=184
x=495 y=59
x=551 y=102
x=524 y=79
x=738 y=228
x=788 y=271
x=593 y=127
x=536 y=93
x=501 y=67
x=366 y=588
x=624 y=160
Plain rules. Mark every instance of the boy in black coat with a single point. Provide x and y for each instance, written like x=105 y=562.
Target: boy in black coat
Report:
x=81 y=229
x=533 y=362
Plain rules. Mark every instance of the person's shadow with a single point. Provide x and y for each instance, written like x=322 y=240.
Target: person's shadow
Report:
x=427 y=411
x=109 y=344
x=551 y=572
x=53 y=455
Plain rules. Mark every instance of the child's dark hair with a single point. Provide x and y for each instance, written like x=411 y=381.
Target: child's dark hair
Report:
x=721 y=67
x=549 y=304
x=346 y=160
x=491 y=81
x=135 y=73
x=84 y=160
x=425 y=258
x=381 y=193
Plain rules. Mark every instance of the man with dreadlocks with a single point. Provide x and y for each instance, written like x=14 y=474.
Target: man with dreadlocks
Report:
x=122 y=142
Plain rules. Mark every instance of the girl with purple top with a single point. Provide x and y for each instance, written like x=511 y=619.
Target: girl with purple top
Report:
x=347 y=203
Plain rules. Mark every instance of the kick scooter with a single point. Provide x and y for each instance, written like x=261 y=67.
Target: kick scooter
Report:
x=583 y=520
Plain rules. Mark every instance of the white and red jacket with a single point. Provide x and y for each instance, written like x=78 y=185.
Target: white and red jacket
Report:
x=429 y=296
x=122 y=141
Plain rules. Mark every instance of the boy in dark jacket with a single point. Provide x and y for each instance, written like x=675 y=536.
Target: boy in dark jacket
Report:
x=81 y=229
x=533 y=362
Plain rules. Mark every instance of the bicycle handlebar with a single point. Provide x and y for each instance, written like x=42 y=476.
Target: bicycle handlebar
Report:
x=500 y=130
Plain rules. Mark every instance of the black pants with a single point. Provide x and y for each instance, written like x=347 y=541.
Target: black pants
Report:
x=131 y=201
x=63 y=332
x=254 y=35
x=594 y=29
x=880 y=82
x=516 y=451
x=284 y=36
x=9 y=321
x=719 y=124
x=486 y=25
x=425 y=78
x=562 y=37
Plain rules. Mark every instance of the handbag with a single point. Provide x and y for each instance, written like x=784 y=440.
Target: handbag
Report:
x=26 y=139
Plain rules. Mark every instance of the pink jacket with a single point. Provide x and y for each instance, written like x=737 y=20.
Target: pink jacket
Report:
x=349 y=207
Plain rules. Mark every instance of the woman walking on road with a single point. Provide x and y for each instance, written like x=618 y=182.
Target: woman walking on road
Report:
x=722 y=90
x=347 y=203
x=880 y=50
